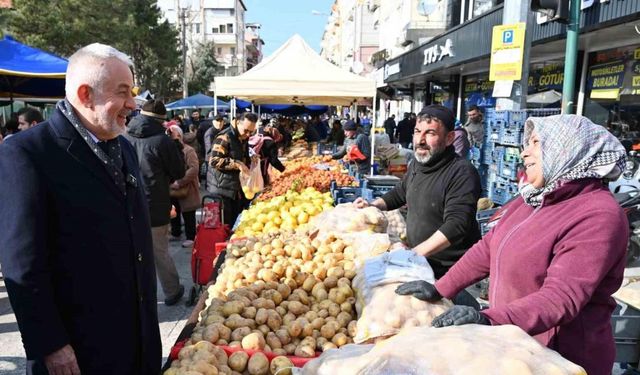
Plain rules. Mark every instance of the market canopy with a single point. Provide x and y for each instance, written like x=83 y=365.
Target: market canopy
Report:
x=296 y=74
x=28 y=72
x=197 y=101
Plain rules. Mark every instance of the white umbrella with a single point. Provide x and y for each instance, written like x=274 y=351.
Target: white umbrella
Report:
x=545 y=97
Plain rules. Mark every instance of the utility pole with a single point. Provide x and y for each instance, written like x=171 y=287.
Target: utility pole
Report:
x=571 y=58
x=185 y=83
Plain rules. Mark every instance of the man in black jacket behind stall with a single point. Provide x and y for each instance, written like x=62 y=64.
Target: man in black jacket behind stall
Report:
x=441 y=191
x=161 y=163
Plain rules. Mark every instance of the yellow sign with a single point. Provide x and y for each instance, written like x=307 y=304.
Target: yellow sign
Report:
x=636 y=54
x=636 y=81
x=507 y=49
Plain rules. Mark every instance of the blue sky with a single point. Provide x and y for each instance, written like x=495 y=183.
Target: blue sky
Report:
x=280 y=19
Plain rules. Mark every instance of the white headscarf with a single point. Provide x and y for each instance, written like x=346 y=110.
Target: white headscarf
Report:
x=573 y=148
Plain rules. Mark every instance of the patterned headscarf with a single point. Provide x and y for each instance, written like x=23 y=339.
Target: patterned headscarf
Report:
x=573 y=148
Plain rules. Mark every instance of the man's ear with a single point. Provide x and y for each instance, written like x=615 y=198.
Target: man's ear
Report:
x=85 y=96
x=451 y=136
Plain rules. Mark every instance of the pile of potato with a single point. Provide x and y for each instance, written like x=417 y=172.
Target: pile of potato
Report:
x=298 y=317
x=279 y=256
x=397 y=227
x=204 y=358
x=346 y=218
x=399 y=312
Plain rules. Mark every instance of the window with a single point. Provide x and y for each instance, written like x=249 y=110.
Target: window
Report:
x=233 y=50
x=197 y=28
x=215 y=30
x=223 y=29
x=219 y=51
x=230 y=28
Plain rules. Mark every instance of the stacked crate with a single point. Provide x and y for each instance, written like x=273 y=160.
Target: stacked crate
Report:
x=499 y=158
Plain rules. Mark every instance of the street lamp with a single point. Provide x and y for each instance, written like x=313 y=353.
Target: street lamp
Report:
x=183 y=23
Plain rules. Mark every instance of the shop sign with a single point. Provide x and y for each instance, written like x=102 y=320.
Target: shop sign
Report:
x=437 y=52
x=605 y=80
x=390 y=70
x=550 y=77
x=507 y=49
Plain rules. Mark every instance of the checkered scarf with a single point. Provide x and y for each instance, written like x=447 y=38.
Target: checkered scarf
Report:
x=573 y=148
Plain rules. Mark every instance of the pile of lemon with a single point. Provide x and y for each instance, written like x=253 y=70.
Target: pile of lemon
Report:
x=286 y=212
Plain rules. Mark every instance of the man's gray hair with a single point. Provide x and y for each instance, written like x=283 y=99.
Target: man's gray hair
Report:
x=87 y=66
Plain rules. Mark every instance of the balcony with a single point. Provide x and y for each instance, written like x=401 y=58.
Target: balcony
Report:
x=222 y=39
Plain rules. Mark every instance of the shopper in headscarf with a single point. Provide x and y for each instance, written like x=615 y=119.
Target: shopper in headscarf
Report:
x=558 y=252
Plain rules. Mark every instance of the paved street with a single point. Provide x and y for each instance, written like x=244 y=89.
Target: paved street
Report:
x=172 y=319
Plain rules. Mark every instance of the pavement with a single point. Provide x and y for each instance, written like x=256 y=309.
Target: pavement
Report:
x=171 y=318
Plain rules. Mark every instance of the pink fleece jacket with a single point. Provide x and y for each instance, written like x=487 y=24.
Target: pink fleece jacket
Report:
x=553 y=270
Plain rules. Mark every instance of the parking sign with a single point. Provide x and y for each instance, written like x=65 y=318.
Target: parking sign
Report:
x=507 y=37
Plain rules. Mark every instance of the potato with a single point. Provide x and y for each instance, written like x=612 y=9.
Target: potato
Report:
x=224 y=332
x=283 y=336
x=281 y=366
x=238 y=361
x=197 y=337
x=186 y=352
x=258 y=364
x=273 y=341
x=334 y=309
x=290 y=348
x=317 y=323
x=288 y=318
x=300 y=277
x=235 y=321
x=226 y=370
x=213 y=318
x=335 y=272
x=294 y=329
x=272 y=295
x=264 y=329
x=274 y=321
x=323 y=313
x=297 y=308
x=344 y=318
x=321 y=294
x=346 y=307
x=239 y=333
x=279 y=351
x=232 y=307
x=328 y=345
x=282 y=311
x=202 y=367
x=284 y=290
x=235 y=344
x=263 y=303
x=261 y=316
x=339 y=339
x=309 y=283
x=352 y=328
x=302 y=295
x=328 y=331
x=249 y=312
x=222 y=342
x=306 y=349
x=253 y=341
x=349 y=273
x=220 y=354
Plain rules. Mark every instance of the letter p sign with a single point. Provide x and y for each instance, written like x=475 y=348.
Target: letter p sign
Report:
x=507 y=37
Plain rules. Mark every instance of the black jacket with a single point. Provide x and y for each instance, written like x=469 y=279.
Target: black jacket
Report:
x=404 y=131
x=161 y=163
x=441 y=195
x=76 y=253
x=223 y=176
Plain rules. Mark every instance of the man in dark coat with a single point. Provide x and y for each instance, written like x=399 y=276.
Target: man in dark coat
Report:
x=390 y=127
x=404 y=132
x=76 y=246
x=161 y=163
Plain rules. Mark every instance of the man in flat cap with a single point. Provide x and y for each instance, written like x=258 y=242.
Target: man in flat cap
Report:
x=441 y=191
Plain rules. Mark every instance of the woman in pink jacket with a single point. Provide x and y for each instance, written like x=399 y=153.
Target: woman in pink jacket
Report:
x=558 y=252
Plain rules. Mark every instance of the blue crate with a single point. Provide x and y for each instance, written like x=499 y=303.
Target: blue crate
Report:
x=510 y=137
x=484 y=215
x=512 y=154
x=475 y=154
x=508 y=170
x=487 y=152
x=498 y=155
x=346 y=194
x=518 y=116
x=544 y=112
x=502 y=193
x=492 y=114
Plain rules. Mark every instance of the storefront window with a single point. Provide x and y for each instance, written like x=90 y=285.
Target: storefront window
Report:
x=613 y=91
x=545 y=85
x=483 y=6
x=477 y=90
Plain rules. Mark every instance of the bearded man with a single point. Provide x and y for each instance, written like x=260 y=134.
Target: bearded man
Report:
x=76 y=249
x=441 y=191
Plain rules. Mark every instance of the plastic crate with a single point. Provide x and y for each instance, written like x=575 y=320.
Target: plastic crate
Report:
x=498 y=155
x=508 y=170
x=542 y=112
x=512 y=154
x=346 y=194
x=625 y=322
x=518 y=116
x=510 y=137
x=475 y=154
x=487 y=152
x=492 y=114
x=494 y=130
x=501 y=193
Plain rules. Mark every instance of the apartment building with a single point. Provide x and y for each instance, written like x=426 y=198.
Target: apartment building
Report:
x=220 y=21
x=253 y=44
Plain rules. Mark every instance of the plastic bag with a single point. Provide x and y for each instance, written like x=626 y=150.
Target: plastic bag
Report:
x=363 y=245
x=252 y=183
x=397 y=226
x=466 y=349
x=375 y=285
x=346 y=218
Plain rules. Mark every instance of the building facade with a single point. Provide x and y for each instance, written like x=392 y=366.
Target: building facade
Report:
x=219 y=21
x=253 y=44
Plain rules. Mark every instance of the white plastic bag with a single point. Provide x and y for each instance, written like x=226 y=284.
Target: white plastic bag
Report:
x=382 y=312
x=466 y=349
x=253 y=182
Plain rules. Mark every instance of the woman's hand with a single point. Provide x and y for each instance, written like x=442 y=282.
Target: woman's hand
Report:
x=459 y=315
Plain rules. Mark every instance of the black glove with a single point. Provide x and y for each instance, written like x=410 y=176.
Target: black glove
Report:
x=420 y=289
x=459 y=315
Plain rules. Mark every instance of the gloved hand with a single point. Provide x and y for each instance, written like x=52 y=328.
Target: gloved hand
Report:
x=459 y=315
x=420 y=289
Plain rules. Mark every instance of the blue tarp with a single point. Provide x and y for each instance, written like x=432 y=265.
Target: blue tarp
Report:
x=196 y=101
x=30 y=72
x=285 y=109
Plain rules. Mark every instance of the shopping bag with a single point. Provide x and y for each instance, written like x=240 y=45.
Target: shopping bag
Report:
x=252 y=183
